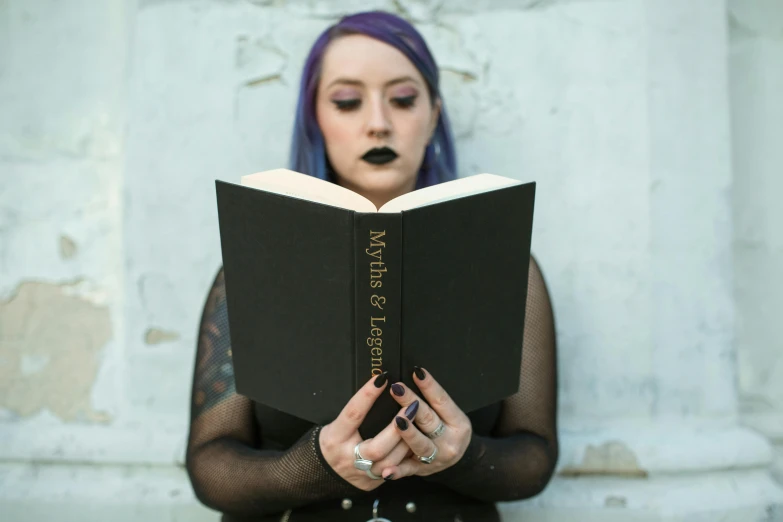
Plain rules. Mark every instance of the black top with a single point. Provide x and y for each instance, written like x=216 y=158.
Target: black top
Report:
x=253 y=463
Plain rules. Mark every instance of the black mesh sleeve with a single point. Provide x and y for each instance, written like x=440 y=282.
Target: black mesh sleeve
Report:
x=227 y=470
x=519 y=460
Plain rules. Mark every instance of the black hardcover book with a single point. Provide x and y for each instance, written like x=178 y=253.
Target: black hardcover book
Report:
x=324 y=291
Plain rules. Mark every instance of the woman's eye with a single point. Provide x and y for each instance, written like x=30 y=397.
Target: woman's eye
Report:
x=346 y=105
x=405 y=101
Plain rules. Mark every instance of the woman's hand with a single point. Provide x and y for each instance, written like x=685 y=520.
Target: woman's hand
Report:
x=339 y=438
x=452 y=440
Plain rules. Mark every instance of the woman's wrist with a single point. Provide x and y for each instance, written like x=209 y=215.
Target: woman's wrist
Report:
x=316 y=445
x=465 y=464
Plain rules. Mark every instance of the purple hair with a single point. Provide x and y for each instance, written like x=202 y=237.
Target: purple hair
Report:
x=308 y=154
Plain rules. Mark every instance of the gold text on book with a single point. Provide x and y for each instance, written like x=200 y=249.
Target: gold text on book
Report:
x=377 y=320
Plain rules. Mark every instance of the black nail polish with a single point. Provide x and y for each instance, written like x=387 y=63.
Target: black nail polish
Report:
x=381 y=380
x=398 y=390
x=389 y=476
x=419 y=373
x=411 y=410
x=401 y=423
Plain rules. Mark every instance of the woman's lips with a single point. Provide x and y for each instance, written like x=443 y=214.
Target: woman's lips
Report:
x=380 y=156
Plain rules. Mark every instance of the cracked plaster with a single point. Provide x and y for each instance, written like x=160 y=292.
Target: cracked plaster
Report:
x=50 y=350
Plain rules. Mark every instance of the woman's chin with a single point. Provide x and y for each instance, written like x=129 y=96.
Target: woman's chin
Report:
x=379 y=180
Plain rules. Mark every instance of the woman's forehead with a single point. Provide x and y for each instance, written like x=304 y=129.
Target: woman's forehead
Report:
x=366 y=61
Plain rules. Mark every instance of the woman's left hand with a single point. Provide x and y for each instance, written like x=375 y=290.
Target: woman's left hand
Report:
x=450 y=441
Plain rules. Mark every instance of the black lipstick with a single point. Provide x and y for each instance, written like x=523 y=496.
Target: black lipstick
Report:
x=380 y=156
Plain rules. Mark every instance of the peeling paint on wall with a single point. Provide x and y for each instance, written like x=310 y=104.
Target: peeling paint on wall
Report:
x=465 y=76
x=615 y=501
x=610 y=458
x=257 y=82
x=157 y=336
x=50 y=345
x=68 y=247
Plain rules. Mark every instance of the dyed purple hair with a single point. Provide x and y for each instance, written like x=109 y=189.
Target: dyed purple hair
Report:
x=308 y=154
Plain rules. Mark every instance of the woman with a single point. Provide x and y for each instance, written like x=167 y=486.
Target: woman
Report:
x=370 y=117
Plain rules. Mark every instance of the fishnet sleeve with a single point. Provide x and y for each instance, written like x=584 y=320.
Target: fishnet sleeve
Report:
x=518 y=461
x=227 y=470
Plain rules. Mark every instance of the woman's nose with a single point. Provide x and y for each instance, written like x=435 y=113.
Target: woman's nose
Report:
x=378 y=124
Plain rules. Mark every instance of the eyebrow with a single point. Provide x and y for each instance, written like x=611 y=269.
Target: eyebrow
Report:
x=353 y=81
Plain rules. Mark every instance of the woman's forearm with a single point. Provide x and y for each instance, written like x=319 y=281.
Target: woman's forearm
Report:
x=514 y=467
x=234 y=478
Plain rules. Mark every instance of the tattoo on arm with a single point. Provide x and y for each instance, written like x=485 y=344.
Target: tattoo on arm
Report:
x=214 y=381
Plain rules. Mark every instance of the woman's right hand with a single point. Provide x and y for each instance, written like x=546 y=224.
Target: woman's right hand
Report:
x=339 y=438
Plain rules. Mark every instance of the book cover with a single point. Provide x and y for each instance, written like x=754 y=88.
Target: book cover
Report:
x=321 y=297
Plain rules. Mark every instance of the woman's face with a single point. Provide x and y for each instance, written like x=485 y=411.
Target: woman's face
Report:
x=376 y=117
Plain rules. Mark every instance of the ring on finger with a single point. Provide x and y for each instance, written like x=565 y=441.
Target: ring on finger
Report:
x=360 y=462
x=373 y=475
x=428 y=460
x=437 y=432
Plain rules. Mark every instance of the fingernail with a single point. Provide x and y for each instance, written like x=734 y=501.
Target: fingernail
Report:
x=398 y=390
x=419 y=373
x=381 y=380
x=389 y=476
x=401 y=423
x=411 y=410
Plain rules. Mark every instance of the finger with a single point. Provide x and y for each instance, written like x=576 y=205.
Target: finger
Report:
x=395 y=456
x=419 y=443
x=355 y=410
x=406 y=468
x=379 y=446
x=437 y=398
x=426 y=418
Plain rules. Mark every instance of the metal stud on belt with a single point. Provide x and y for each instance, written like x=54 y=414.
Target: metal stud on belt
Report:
x=375 y=517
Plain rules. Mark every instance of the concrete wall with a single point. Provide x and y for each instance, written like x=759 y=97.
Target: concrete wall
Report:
x=63 y=79
x=757 y=115
x=117 y=116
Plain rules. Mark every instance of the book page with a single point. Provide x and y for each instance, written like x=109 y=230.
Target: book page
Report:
x=446 y=191
x=301 y=186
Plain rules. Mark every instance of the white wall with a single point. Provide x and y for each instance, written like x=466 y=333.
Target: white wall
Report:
x=757 y=115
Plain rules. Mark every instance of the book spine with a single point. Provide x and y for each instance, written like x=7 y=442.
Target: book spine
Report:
x=378 y=283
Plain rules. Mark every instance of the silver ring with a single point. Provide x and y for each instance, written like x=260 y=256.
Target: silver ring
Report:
x=428 y=460
x=373 y=475
x=360 y=462
x=437 y=432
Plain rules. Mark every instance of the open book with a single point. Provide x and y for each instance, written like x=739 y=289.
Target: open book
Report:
x=302 y=186
x=324 y=290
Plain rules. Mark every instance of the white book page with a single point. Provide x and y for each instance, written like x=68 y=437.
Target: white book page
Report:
x=447 y=191
x=302 y=186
